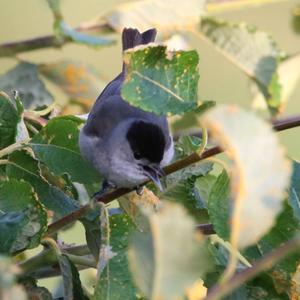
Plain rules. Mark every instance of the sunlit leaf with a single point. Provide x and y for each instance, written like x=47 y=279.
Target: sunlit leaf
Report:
x=25 y=79
x=115 y=282
x=253 y=51
x=23 y=167
x=56 y=145
x=9 y=119
x=77 y=80
x=159 y=81
x=257 y=192
x=23 y=220
x=159 y=267
x=152 y=13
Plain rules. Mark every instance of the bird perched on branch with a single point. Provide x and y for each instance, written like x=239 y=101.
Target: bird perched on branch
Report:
x=124 y=143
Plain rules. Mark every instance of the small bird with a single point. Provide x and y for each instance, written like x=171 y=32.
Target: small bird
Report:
x=125 y=144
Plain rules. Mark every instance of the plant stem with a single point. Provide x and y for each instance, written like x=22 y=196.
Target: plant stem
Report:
x=12 y=48
x=221 y=290
x=278 y=125
x=13 y=147
x=83 y=261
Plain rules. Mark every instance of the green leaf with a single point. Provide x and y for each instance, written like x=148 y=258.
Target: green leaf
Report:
x=25 y=79
x=9 y=119
x=23 y=167
x=152 y=13
x=23 y=220
x=56 y=145
x=77 y=80
x=115 y=282
x=253 y=51
x=160 y=268
x=202 y=188
x=258 y=192
x=219 y=205
x=159 y=81
x=180 y=187
x=71 y=279
x=8 y=281
x=286 y=227
x=294 y=190
x=188 y=144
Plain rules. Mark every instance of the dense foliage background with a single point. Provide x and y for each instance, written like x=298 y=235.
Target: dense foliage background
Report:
x=224 y=226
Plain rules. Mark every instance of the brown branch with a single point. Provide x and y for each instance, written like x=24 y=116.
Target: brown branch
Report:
x=12 y=48
x=278 y=125
x=221 y=290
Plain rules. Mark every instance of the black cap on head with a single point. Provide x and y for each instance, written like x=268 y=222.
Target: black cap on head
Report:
x=146 y=141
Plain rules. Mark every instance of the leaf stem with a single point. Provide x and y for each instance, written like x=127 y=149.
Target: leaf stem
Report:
x=221 y=290
x=278 y=125
x=13 y=147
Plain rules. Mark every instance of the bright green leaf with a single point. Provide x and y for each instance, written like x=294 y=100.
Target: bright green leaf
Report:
x=253 y=51
x=56 y=145
x=160 y=268
x=160 y=81
x=25 y=79
x=9 y=119
x=23 y=220
x=23 y=167
x=258 y=192
x=115 y=282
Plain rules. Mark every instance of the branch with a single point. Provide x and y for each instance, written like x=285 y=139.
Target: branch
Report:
x=12 y=48
x=278 y=125
x=219 y=291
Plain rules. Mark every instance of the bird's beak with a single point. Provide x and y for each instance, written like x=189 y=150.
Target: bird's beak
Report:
x=153 y=172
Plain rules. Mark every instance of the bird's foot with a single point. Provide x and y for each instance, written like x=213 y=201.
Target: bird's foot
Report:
x=106 y=186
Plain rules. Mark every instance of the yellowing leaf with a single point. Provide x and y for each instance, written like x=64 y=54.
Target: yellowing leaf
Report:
x=259 y=174
x=196 y=292
x=167 y=16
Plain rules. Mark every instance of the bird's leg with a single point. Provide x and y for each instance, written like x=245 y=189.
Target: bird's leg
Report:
x=106 y=185
x=139 y=190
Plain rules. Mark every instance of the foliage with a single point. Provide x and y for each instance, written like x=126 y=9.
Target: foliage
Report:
x=152 y=246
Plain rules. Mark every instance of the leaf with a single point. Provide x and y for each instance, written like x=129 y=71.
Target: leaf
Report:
x=180 y=187
x=56 y=145
x=71 y=279
x=23 y=167
x=9 y=119
x=23 y=220
x=114 y=282
x=253 y=51
x=160 y=269
x=202 y=188
x=294 y=190
x=286 y=227
x=219 y=205
x=25 y=79
x=288 y=72
x=171 y=76
x=8 y=280
x=258 y=192
x=152 y=13
x=77 y=80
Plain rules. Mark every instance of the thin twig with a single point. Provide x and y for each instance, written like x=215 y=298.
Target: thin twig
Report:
x=12 y=48
x=219 y=291
x=278 y=125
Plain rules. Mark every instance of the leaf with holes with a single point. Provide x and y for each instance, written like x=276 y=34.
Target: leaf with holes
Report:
x=157 y=263
x=159 y=81
x=258 y=192
x=253 y=51
x=23 y=220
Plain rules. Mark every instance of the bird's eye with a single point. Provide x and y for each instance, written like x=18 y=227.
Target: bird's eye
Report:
x=137 y=155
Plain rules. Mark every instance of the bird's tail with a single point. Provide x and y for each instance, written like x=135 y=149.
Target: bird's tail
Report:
x=132 y=37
